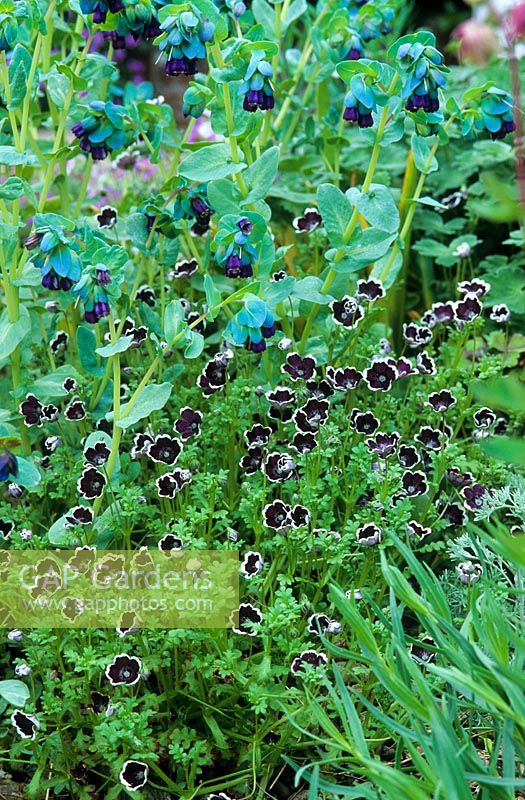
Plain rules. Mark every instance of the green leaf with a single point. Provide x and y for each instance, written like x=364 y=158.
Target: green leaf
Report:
x=194 y=343
x=137 y=229
x=12 y=333
x=224 y=197
x=57 y=87
x=28 y=475
x=377 y=206
x=260 y=175
x=265 y=15
x=18 y=75
x=10 y=157
x=212 y=161
x=421 y=149
x=151 y=398
x=335 y=210
x=15 y=692
x=50 y=387
x=309 y=289
x=213 y=295
x=505 y=448
x=173 y=320
x=120 y=346
x=366 y=247
x=87 y=344
x=506 y=394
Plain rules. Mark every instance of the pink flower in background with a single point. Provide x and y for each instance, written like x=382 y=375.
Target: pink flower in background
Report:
x=478 y=42
x=202 y=130
x=516 y=21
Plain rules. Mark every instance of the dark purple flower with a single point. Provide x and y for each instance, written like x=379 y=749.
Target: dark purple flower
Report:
x=7 y=527
x=252 y=564
x=484 y=418
x=363 y=421
x=310 y=417
x=80 y=515
x=164 y=449
x=370 y=290
x=469 y=308
x=475 y=496
x=414 y=483
x=320 y=388
x=454 y=515
x=300 y=516
x=277 y=515
x=430 y=438
x=248 y=618
x=475 y=287
x=321 y=624
x=8 y=464
x=184 y=269
x=141 y=442
x=444 y=313
x=26 y=724
x=98 y=454
x=279 y=467
x=408 y=456
x=134 y=775
x=500 y=313
x=425 y=364
x=380 y=375
x=303 y=442
x=107 y=217
x=170 y=484
x=252 y=461
x=213 y=376
x=75 y=410
x=188 y=423
x=145 y=294
x=170 y=542
x=124 y=669
x=31 y=409
x=258 y=435
x=59 y=343
x=417 y=530
x=369 y=534
x=299 y=368
x=91 y=483
x=347 y=312
x=343 y=379
x=441 y=401
x=419 y=651
x=458 y=478
x=383 y=444
x=309 y=221
x=281 y=397
x=416 y=335
x=308 y=659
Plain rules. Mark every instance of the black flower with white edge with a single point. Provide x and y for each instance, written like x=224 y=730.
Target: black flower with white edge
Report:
x=277 y=515
x=188 y=424
x=320 y=389
x=145 y=294
x=124 y=669
x=369 y=534
x=420 y=651
x=70 y=385
x=418 y=531
x=31 y=409
x=425 y=364
x=468 y=309
x=370 y=290
x=308 y=659
x=322 y=624
x=416 y=335
x=458 y=478
x=441 y=401
x=430 y=438
x=300 y=516
x=134 y=775
x=309 y=221
x=299 y=368
x=303 y=442
x=249 y=618
x=382 y=444
x=414 y=483
x=252 y=461
x=184 y=269
x=26 y=724
x=170 y=542
x=310 y=417
x=474 y=496
x=252 y=564
x=58 y=343
x=380 y=375
x=343 y=379
x=98 y=454
x=107 y=217
x=219 y=796
x=7 y=527
x=347 y=312
x=170 y=484
x=408 y=456
x=454 y=515
x=363 y=422
x=500 y=314
x=213 y=377
x=91 y=483
x=476 y=287
x=165 y=449
x=444 y=313
x=258 y=435
x=80 y=515
x=141 y=442
x=484 y=418
x=75 y=411
x=279 y=467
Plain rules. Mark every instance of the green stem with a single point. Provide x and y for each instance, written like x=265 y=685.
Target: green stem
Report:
x=7 y=90
x=230 y=122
